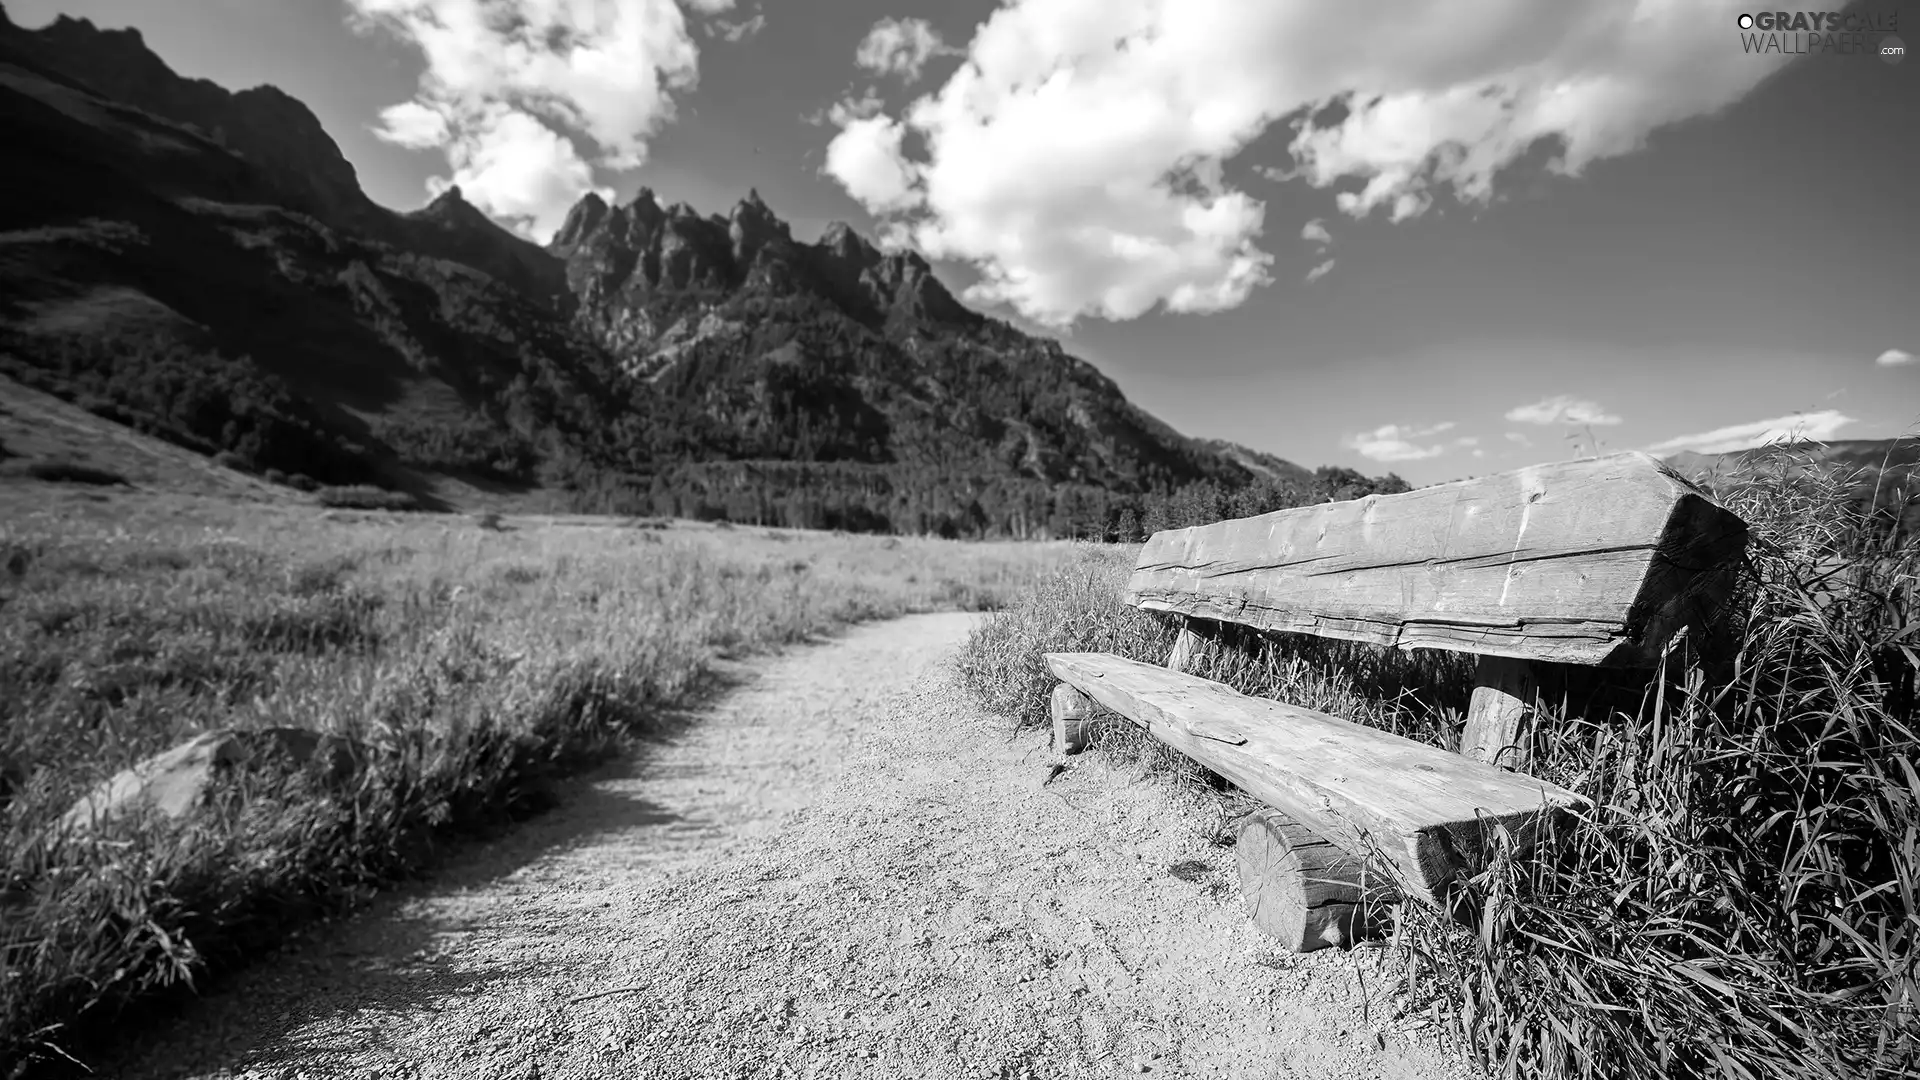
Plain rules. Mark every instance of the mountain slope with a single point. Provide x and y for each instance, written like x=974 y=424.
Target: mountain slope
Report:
x=292 y=154
x=203 y=264
x=144 y=267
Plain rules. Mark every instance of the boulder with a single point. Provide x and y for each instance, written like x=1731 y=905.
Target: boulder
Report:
x=178 y=781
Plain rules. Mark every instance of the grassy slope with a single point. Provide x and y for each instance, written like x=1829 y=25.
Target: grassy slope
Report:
x=38 y=428
x=1745 y=900
x=475 y=663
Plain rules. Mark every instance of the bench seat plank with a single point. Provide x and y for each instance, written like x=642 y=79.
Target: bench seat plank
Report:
x=1424 y=807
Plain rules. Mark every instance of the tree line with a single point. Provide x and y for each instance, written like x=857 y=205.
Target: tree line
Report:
x=866 y=498
x=535 y=425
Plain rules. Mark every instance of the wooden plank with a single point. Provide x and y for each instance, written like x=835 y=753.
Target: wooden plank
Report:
x=1299 y=888
x=1426 y=809
x=1500 y=716
x=1583 y=562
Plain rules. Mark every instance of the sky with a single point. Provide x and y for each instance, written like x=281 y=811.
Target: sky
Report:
x=1442 y=240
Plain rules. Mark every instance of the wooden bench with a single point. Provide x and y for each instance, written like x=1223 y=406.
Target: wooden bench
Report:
x=1593 y=563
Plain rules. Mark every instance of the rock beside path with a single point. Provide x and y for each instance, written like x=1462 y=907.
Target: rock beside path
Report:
x=179 y=781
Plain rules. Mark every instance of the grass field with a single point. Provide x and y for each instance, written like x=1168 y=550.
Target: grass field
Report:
x=1743 y=901
x=471 y=659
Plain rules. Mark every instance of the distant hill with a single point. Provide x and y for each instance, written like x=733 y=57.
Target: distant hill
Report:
x=1901 y=453
x=1258 y=463
x=1883 y=473
x=202 y=265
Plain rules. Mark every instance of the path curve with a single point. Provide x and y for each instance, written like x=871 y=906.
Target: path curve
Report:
x=845 y=868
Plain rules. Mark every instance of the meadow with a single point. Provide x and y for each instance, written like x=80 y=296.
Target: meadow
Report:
x=1742 y=902
x=1744 y=898
x=471 y=661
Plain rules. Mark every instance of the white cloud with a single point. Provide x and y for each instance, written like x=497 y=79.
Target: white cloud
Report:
x=740 y=31
x=865 y=157
x=861 y=108
x=1518 y=437
x=532 y=96
x=1077 y=158
x=1316 y=232
x=518 y=168
x=1467 y=440
x=840 y=113
x=1816 y=426
x=1320 y=271
x=1895 y=358
x=1563 y=409
x=412 y=125
x=1395 y=442
x=900 y=47
x=892 y=237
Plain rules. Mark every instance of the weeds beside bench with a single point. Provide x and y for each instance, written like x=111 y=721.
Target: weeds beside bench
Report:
x=1593 y=563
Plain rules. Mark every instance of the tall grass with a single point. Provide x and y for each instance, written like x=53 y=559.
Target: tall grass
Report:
x=1742 y=900
x=468 y=666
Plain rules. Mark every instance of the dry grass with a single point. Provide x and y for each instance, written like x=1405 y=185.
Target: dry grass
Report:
x=474 y=661
x=1743 y=900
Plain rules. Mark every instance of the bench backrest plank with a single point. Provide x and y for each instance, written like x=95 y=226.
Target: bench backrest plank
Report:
x=1595 y=561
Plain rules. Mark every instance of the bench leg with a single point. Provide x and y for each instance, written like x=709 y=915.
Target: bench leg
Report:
x=1194 y=636
x=1298 y=887
x=1500 y=718
x=1072 y=719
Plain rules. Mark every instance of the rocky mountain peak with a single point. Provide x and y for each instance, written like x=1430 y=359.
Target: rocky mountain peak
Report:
x=845 y=244
x=71 y=26
x=585 y=217
x=451 y=208
x=917 y=293
x=752 y=226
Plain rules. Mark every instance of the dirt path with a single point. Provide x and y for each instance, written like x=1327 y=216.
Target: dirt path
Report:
x=845 y=869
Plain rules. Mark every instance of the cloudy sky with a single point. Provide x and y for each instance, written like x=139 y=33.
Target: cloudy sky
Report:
x=1441 y=239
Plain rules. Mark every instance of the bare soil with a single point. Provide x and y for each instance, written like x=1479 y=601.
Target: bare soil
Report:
x=844 y=868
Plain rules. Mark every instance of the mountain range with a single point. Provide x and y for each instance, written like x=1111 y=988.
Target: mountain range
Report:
x=203 y=265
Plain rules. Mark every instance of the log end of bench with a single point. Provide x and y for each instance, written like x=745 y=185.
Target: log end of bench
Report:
x=1299 y=888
